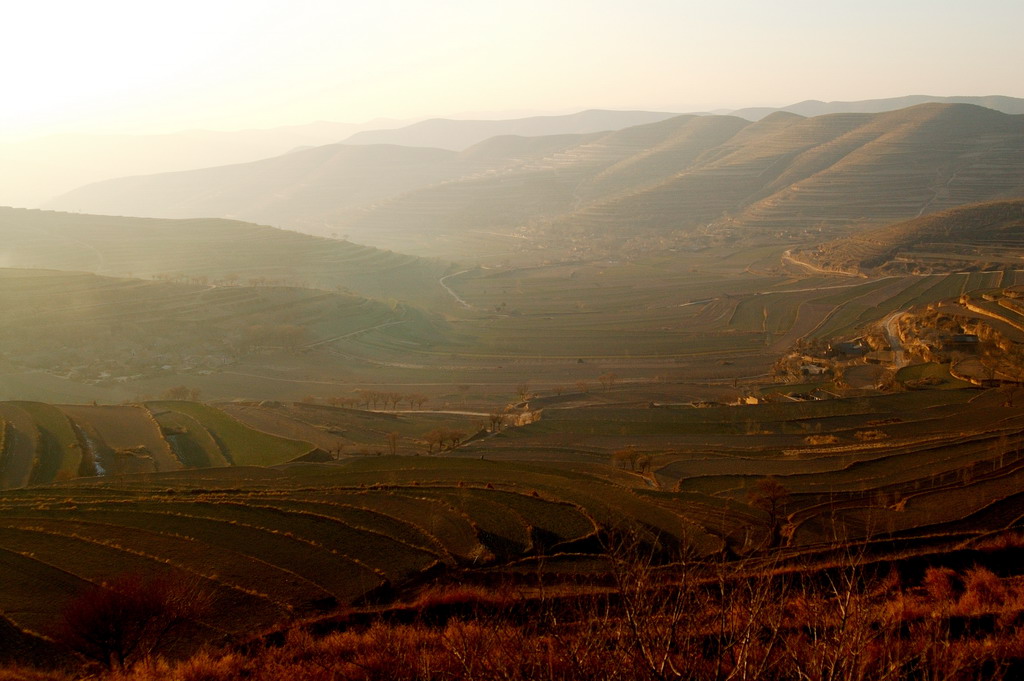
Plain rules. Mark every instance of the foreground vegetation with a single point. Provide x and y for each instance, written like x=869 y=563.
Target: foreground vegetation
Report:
x=948 y=617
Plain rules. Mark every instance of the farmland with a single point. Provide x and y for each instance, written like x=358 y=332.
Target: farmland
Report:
x=274 y=538
x=686 y=316
x=44 y=443
x=682 y=353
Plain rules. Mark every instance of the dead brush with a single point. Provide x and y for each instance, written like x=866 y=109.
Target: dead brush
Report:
x=464 y=597
x=983 y=591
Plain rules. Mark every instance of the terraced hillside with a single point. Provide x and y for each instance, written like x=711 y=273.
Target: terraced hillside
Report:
x=113 y=331
x=272 y=545
x=215 y=251
x=942 y=463
x=784 y=172
x=457 y=135
x=977 y=236
x=272 y=542
x=299 y=540
x=42 y=443
x=720 y=315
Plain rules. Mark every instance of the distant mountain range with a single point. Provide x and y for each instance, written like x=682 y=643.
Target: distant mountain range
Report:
x=813 y=107
x=38 y=170
x=444 y=133
x=783 y=172
x=34 y=172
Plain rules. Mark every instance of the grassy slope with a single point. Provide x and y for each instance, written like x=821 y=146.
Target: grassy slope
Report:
x=214 y=250
x=997 y=224
x=82 y=325
x=240 y=445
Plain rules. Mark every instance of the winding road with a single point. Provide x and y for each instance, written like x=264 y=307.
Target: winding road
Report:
x=787 y=257
x=892 y=334
x=452 y=293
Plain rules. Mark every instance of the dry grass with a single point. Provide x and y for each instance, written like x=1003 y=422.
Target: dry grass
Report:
x=699 y=622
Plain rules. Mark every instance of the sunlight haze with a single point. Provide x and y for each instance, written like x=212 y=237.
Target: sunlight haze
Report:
x=129 y=67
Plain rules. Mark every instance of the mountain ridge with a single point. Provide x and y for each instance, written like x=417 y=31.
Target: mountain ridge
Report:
x=459 y=134
x=784 y=171
x=814 y=107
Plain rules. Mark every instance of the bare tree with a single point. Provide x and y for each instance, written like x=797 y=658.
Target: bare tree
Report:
x=496 y=420
x=523 y=391
x=181 y=392
x=129 y=618
x=771 y=496
x=629 y=456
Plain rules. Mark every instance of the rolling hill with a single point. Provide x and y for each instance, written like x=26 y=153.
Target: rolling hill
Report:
x=788 y=173
x=445 y=133
x=43 y=443
x=814 y=107
x=206 y=251
x=975 y=236
x=37 y=170
x=139 y=335
x=784 y=172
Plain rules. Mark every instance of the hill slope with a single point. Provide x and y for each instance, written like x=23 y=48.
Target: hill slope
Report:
x=784 y=172
x=44 y=443
x=40 y=169
x=444 y=133
x=974 y=236
x=106 y=330
x=813 y=107
x=209 y=250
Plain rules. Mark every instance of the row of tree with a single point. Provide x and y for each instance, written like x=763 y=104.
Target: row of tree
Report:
x=443 y=438
x=374 y=398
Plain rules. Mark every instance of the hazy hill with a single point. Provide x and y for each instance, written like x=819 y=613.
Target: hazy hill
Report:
x=85 y=327
x=813 y=107
x=307 y=183
x=210 y=250
x=457 y=135
x=575 y=173
x=37 y=170
x=969 y=236
x=784 y=172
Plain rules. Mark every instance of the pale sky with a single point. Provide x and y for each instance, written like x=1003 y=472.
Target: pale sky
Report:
x=144 y=66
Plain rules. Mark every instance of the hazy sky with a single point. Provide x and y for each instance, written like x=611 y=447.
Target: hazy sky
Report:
x=160 y=66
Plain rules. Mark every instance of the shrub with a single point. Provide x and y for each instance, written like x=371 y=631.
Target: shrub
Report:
x=982 y=590
x=128 y=618
x=941 y=584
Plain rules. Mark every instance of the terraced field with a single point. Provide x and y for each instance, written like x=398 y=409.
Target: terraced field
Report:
x=982 y=235
x=277 y=541
x=271 y=545
x=43 y=443
x=210 y=251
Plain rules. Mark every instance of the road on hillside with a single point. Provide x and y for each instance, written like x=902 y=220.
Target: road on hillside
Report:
x=889 y=324
x=350 y=334
x=787 y=257
x=452 y=293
